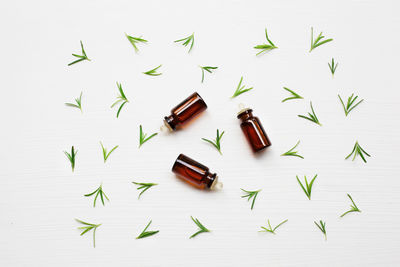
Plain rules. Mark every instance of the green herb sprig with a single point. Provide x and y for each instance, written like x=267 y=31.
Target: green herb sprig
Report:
x=135 y=40
x=206 y=68
x=71 y=157
x=153 y=72
x=251 y=195
x=321 y=226
x=318 y=41
x=294 y=95
x=80 y=57
x=358 y=151
x=203 y=229
x=353 y=208
x=142 y=136
x=265 y=47
x=350 y=105
x=293 y=153
x=241 y=89
x=145 y=233
x=186 y=41
x=333 y=66
x=307 y=189
x=99 y=192
x=217 y=142
x=121 y=98
x=270 y=229
x=105 y=153
x=144 y=186
x=88 y=227
x=78 y=103
x=312 y=117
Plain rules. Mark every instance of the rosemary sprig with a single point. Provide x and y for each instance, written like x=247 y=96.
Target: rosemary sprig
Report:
x=81 y=57
x=203 y=229
x=71 y=157
x=145 y=233
x=99 y=192
x=322 y=227
x=349 y=105
x=121 y=98
x=317 y=42
x=186 y=41
x=265 y=47
x=206 y=68
x=312 y=117
x=251 y=195
x=142 y=136
x=293 y=153
x=307 y=189
x=78 y=103
x=217 y=142
x=143 y=186
x=153 y=72
x=294 y=95
x=333 y=66
x=357 y=150
x=270 y=229
x=87 y=228
x=135 y=40
x=353 y=208
x=240 y=89
x=105 y=154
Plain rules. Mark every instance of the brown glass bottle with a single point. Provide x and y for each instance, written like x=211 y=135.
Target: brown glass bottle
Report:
x=195 y=174
x=253 y=130
x=185 y=111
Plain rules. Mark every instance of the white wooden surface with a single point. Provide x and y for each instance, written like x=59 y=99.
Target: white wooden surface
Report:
x=40 y=197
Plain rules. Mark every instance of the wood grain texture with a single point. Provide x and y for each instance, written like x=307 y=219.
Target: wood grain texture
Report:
x=40 y=197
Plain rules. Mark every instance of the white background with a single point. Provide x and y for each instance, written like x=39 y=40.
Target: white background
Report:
x=40 y=196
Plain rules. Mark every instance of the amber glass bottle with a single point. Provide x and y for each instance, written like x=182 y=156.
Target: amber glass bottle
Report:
x=195 y=174
x=185 y=111
x=253 y=130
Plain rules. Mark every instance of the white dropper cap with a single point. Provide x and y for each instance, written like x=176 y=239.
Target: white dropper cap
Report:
x=242 y=108
x=165 y=128
x=216 y=185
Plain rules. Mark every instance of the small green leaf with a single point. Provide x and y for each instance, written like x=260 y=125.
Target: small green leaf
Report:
x=186 y=41
x=81 y=57
x=145 y=233
x=251 y=195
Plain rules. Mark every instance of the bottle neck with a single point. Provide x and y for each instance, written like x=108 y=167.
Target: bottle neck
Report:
x=170 y=122
x=245 y=114
x=210 y=179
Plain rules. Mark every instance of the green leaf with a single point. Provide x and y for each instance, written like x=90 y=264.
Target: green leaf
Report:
x=317 y=42
x=312 y=116
x=153 y=72
x=145 y=233
x=265 y=47
x=240 y=89
x=142 y=136
x=358 y=151
x=294 y=95
x=217 y=142
x=186 y=41
x=87 y=228
x=144 y=186
x=293 y=153
x=251 y=195
x=81 y=57
x=202 y=228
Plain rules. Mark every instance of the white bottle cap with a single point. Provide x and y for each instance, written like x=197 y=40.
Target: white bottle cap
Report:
x=216 y=185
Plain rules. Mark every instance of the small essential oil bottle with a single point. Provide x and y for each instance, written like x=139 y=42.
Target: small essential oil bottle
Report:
x=195 y=173
x=253 y=130
x=185 y=111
